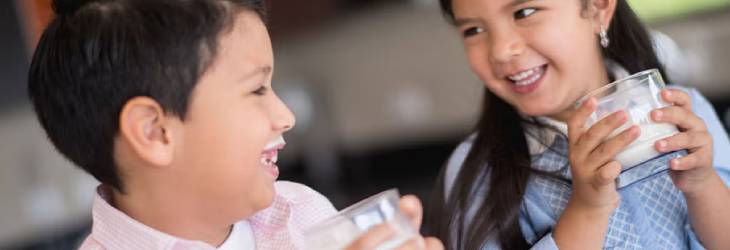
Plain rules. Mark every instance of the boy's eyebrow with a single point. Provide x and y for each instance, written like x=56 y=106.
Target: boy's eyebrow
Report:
x=264 y=70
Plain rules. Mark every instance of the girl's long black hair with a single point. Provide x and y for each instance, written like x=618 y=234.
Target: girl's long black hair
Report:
x=499 y=157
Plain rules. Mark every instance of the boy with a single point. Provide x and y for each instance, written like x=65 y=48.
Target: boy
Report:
x=169 y=105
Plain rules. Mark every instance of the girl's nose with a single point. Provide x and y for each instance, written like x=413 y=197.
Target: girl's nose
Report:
x=507 y=44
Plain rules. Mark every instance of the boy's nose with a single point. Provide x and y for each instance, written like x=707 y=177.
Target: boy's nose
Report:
x=282 y=118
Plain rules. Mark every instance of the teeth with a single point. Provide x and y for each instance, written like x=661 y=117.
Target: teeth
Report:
x=526 y=77
x=270 y=156
x=523 y=75
x=269 y=159
x=276 y=142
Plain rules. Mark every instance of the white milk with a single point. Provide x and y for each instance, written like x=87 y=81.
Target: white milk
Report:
x=638 y=95
x=643 y=149
x=345 y=232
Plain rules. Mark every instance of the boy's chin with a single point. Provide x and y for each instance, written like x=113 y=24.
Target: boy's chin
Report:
x=266 y=197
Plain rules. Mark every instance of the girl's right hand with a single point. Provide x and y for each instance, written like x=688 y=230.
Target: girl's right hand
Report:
x=584 y=222
x=591 y=158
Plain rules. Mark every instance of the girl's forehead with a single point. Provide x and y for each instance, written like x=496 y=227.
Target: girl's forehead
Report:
x=485 y=7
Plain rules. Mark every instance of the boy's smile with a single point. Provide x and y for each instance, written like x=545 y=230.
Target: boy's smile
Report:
x=271 y=155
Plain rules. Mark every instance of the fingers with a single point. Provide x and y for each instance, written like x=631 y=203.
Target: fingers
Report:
x=687 y=140
x=412 y=208
x=691 y=161
x=418 y=242
x=413 y=244
x=607 y=174
x=678 y=98
x=432 y=243
x=374 y=237
x=609 y=148
x=577 y=122
x=599 y=131
x=684 y=119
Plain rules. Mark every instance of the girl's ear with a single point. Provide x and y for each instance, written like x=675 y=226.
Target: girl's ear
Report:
x=601 y=13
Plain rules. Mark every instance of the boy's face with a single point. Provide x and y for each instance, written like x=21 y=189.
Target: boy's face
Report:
x=229 y=139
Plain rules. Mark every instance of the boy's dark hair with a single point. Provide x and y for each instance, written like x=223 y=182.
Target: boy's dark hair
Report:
x=98 y=54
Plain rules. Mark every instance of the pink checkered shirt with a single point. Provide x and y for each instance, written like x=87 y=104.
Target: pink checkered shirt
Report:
x=280 y=226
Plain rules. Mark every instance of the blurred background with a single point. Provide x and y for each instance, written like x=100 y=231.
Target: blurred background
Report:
x=381 y=90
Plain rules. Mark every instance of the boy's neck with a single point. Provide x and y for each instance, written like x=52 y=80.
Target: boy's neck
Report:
x=171 y=216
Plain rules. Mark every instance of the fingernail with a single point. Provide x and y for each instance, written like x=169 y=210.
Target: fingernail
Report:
x=658 y=115
x=674 y=164
x=662 y=145
x=669 y=93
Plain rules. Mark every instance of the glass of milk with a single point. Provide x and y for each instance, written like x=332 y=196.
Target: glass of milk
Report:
x=339 y=231
x=638 y=95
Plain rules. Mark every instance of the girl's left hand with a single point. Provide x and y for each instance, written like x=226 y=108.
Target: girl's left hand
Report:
x=690 y=172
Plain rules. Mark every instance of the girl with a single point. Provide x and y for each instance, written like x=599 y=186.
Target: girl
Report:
x=533 y=176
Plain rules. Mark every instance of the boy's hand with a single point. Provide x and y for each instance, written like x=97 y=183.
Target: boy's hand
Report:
x=690 y=172
x=591 y=158
x=411 y=206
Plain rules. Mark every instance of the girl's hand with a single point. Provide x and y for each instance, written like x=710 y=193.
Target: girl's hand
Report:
x=411 y=206
x=584 y=222
x=591 y=153
x=690 y=172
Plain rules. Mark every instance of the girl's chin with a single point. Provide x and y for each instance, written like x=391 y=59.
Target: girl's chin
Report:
x=539 y=110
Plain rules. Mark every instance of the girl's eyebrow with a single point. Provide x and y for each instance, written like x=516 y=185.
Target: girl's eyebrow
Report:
x=518 y=2
x=462 y=21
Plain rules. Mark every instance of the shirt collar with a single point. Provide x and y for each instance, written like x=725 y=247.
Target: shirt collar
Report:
x=116 y=230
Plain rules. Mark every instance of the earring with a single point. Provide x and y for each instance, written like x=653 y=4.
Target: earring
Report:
x=604 y=37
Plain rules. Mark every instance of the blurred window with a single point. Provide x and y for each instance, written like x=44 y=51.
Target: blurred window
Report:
x=653 y=10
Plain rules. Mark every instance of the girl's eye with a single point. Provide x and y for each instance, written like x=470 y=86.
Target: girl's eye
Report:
x=520 y=14
x=472 y=31
x=260 y=91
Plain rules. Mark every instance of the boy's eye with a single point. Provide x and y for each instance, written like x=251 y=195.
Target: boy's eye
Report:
x=520 y=14
x=472 y=31
x=260 y=91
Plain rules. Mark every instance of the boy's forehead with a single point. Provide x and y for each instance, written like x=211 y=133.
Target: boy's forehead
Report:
x=246 y=22
x=245 y=46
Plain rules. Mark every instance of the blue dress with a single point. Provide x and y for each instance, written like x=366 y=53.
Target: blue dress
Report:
x=652 y=213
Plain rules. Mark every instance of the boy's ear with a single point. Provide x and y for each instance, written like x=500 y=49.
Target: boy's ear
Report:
x=601 y=11
x=143 y=125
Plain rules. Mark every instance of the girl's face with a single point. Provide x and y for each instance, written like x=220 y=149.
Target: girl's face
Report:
x=538 y=55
